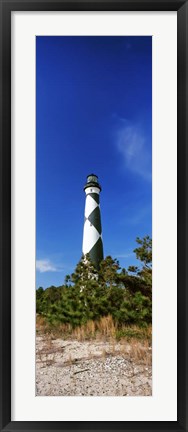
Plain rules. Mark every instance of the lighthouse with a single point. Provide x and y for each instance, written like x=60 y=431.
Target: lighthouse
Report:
x=92 y=235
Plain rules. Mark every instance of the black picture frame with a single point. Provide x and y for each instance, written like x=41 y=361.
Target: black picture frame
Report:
x=6 y=7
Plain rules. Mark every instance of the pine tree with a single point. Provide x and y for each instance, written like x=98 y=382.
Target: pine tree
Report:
x=85 y=270
x=108 y=271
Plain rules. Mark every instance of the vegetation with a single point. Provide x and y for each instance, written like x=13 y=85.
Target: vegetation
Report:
x=90 y=297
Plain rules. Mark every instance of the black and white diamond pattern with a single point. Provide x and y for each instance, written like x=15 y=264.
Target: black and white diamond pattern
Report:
x=92 y=237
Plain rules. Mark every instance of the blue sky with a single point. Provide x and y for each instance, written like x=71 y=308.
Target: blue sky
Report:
x=93 y=114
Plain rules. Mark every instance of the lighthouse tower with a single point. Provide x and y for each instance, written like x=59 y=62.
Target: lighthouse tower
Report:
x=92 y=236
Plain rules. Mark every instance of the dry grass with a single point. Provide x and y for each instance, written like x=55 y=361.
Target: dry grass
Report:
x=104 y=329
x=46 y=355
x=131 y=342
x=107 y=327
x=138 y=351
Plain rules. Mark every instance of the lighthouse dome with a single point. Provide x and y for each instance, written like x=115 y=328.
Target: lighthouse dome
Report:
x=92 y=180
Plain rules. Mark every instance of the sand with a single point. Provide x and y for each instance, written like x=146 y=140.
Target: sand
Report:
x=92 y=368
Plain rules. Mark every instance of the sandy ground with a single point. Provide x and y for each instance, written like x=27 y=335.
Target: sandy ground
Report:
x=92 y=368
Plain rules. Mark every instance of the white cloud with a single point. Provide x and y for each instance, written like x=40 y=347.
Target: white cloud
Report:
x=124 y=255
x=132 y=145
x=45 y=265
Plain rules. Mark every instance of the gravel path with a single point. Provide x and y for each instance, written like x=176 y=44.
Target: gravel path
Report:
x=94 y=368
